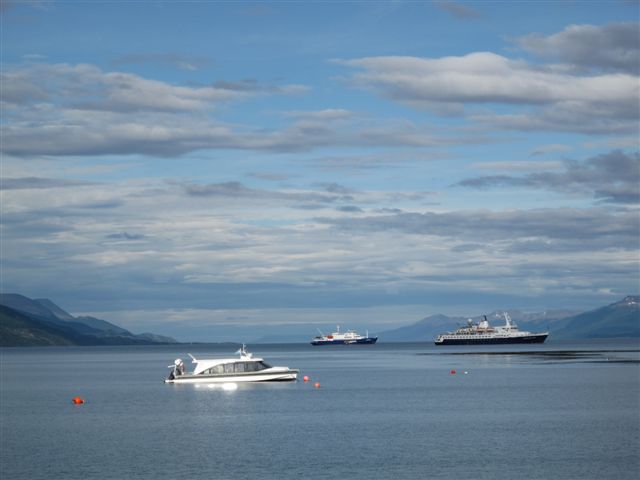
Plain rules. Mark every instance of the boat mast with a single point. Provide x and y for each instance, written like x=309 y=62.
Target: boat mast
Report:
x=507 y=318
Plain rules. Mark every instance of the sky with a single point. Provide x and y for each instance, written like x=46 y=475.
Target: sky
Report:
x=210 y=169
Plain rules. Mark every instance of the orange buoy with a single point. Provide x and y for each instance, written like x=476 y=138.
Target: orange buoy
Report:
x=305 y=378
x=77 y=400
x=453 y=372
x=317 y=384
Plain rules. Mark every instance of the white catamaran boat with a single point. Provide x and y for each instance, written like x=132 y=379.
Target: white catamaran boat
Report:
x=246 y=368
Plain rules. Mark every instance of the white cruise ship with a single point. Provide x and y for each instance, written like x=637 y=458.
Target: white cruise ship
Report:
x=484 y=334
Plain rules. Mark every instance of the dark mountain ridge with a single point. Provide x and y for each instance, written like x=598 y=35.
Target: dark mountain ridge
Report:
x=32 y=322
x=620 y=319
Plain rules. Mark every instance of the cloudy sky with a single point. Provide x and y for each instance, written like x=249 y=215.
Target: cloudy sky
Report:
x=203 y=168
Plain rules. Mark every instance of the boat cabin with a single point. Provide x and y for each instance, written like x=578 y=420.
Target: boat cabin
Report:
x=233 y=366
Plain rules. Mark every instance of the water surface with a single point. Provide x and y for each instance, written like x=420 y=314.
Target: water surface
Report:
x=552 y=411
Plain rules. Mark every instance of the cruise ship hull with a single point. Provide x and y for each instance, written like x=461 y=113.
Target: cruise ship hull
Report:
x=359 y=341
x=493 y=341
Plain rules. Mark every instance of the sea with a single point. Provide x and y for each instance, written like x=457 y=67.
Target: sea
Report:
x=561 y=410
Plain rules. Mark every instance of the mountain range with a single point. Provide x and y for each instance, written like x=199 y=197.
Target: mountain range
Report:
x=26 y=322
x=40 y=322
x=620 y=319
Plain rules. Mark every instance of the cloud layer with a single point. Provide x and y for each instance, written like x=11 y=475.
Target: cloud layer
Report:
x=610 y=178
x=63 y=109
x=389 y=177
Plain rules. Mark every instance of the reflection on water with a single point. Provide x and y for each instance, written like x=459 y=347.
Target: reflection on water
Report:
x=631 y=356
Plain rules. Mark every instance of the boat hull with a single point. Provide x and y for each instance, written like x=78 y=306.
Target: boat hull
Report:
x=360 y=341
x=536 y=338
x=283 y=376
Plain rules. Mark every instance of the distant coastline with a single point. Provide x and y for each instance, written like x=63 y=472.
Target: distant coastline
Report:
x=40 y=322
x=26 y=322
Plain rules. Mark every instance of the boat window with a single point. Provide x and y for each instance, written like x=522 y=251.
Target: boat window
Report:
x=240 y=367
x=252 y=366
x=264 y=365
x=228 y=368
x=215 y=370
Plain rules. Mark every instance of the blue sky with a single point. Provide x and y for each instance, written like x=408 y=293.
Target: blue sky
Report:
x=207 y=169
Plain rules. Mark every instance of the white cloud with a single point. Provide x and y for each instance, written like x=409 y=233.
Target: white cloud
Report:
x=57 y=110
x=63 y=109
x=87 y=87
x=551 y=99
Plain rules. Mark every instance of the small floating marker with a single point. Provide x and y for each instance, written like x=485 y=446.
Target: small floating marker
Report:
x=453 y=372
x=317 y=384
x=305 y=378
x=77 y=400
x=466 y=373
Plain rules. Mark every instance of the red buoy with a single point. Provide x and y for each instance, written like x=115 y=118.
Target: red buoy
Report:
x=317 y=384
x=453 y=372
x=77 y=400
x=305 y=378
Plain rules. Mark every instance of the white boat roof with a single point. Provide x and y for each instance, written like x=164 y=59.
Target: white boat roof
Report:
x=206 y=363
x=203 y=364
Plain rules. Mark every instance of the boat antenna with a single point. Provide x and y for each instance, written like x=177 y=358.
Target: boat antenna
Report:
x=243 y=351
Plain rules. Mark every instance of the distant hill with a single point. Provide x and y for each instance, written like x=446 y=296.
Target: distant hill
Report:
x=28 y=306
x=50 y=306
x=422 y=331
x=620 y=319
x=19 y=330
x=30 y=322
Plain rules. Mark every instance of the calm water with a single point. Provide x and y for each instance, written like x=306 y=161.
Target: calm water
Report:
x=389 y=411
